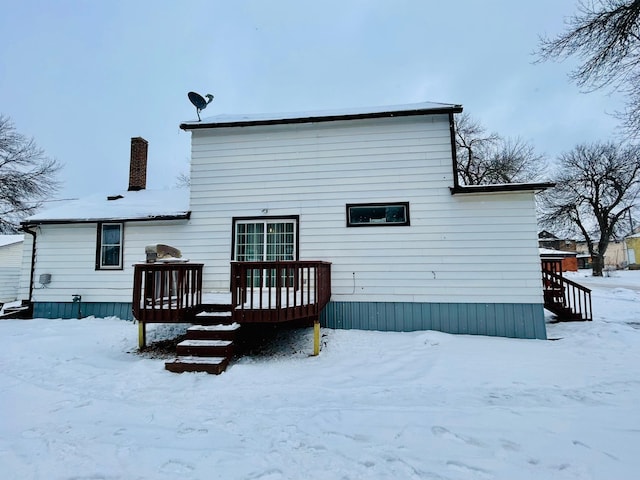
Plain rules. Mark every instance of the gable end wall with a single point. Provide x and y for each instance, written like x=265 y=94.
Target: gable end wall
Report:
x=476 y=248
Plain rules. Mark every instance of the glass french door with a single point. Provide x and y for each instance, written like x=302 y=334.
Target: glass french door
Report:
x=265 y=241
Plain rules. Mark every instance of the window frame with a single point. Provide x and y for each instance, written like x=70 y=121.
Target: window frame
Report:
x=405 y=223
x=99 y=247
x=295 y=219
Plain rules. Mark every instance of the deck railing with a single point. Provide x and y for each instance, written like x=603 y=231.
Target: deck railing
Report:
x=279 y=291
x=566 y=298
x=166 y=292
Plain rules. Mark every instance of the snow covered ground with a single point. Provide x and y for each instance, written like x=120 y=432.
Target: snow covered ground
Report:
x=77 y=402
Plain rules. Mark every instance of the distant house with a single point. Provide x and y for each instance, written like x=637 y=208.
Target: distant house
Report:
x=616 y=256
x=10 y=266
x=550 y=241
x=277 y=199
x=568 y=260
x=632 y=246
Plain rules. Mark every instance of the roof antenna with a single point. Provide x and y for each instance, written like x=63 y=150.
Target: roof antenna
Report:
x=199 y=102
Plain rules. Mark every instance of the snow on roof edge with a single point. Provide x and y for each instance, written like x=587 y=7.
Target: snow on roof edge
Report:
x=6 y=240
x=128 y=205
x=560 y=253
x=318 y=114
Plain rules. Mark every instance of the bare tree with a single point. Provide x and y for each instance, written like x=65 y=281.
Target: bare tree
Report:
x=596 y=187
x=27 y=176
x=183 y=180
x=605 y=36
x=487 y=158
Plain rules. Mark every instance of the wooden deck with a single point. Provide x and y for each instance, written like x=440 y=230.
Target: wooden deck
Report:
x=260 y=292
x=166 y=292
x=279 y=291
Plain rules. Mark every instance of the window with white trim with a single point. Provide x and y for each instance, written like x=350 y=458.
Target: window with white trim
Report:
x=110 y=245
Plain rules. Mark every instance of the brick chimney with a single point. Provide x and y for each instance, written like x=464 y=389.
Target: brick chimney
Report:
x=138 y=164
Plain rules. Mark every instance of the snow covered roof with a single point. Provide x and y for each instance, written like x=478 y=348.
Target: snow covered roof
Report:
x=501 y=187
x=122 y=206
x=225 y=120
x=548 y=252
x=10 y=239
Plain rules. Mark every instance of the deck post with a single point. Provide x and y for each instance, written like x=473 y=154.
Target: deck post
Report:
x=316 y=338
x=142 y=335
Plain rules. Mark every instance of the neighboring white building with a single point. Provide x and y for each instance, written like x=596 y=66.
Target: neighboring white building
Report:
x=372 y=191
x=10 y=265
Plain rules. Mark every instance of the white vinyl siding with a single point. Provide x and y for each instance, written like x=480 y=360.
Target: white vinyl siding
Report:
x=462 y=248
x=10 y=263
x=68 y=253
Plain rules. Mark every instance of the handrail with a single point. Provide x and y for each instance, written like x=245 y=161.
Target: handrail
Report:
x=279 y=291
x=569 y=294
x=166 y=292
x=261 y=291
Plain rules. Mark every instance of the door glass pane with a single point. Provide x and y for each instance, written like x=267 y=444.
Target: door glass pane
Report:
x=265 y=241
x=280 y=241
x=280 y=246
x=250 y=242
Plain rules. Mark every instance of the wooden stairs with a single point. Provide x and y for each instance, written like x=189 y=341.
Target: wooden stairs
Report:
x=209 y=345
x=567 y=300
x=554 y=301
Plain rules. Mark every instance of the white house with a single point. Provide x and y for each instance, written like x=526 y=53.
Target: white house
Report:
x=10 y=264
x=84 y=249
x=372 y=191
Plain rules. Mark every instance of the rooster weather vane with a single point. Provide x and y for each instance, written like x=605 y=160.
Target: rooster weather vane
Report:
x=199 y=102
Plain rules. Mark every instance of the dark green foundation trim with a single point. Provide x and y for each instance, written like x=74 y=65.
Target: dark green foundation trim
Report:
x=70 y=310
x=495 y=319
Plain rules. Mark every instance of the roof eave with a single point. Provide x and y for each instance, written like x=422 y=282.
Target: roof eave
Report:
x=12 y=243
x=68 y=221
x=501 y=188
x=327 y=118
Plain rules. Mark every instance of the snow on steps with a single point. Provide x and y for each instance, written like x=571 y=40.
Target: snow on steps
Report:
x=215 y=315
x=207 y=348
x=214 y=365
x=211 y=332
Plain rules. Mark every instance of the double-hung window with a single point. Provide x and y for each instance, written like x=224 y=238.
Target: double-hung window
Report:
x=110 y=244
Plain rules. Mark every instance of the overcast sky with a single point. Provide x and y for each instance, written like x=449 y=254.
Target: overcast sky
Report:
x=83 y=77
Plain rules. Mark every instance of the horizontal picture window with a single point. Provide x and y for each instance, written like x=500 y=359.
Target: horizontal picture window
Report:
x=378 y=214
